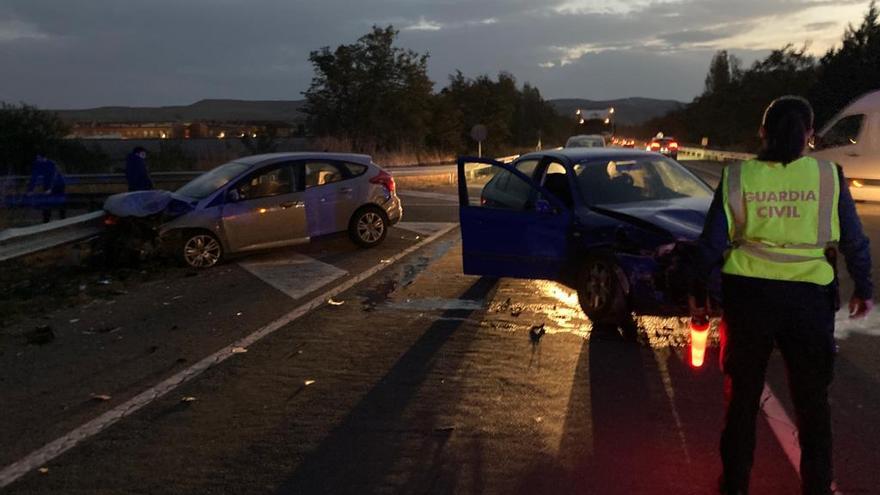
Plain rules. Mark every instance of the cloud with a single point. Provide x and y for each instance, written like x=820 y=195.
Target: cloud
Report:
x=170 y=52
x=820 y=26
x=424 y=25
x=14 y=30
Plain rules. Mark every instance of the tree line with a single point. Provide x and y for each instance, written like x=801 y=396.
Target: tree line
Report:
x=376 y=96
x=729 y=110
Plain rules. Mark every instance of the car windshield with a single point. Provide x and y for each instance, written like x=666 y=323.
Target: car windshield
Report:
x=202 y=186
x=636 y=179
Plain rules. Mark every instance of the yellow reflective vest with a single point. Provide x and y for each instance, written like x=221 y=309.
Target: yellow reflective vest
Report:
x=781 y=218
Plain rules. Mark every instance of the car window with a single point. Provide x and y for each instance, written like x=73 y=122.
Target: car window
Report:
x=202 y=186
x=268 y=182
x=321 y=173
x=844 y=132
x=355 y=169
x=501 y=180
x=556 y=182
x=634 y=180
x=507 y=191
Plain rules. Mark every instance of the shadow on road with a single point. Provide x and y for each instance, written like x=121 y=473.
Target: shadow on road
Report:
x=360 y=454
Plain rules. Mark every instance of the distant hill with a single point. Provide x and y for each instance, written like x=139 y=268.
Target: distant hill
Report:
x=216 y=110
x=627 y=111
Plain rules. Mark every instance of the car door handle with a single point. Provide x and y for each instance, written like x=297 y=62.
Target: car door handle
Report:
x=293 y=204
x=345 y=190
x=851 y=154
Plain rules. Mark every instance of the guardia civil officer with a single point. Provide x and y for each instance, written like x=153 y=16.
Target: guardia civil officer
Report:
x=774 y=228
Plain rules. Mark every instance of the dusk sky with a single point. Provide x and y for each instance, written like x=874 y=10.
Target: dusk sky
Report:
x=85 y=53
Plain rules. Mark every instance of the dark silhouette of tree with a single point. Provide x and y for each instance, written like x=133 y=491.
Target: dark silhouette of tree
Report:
x=371 y=92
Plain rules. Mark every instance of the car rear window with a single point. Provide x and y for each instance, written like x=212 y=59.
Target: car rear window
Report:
x=355 y=169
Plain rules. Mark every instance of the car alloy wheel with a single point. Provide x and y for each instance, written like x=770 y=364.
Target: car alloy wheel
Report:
x=600 y=290
x=597 y=286
x=370 y=227
x=202 y=251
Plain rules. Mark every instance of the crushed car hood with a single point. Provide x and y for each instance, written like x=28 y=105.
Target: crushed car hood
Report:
x=681 y=218
x=146 y=203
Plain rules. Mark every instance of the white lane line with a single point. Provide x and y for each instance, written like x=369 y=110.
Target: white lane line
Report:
x=431 y=195
x=292 y=273
x=424 y=228
x=53 y=449
x=785 y=430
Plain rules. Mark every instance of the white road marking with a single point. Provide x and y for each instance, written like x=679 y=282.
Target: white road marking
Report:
x=424 y=228
x=431 y=195
x=292 y=273
x=55 y=448
x=785 y=430
x=844 y=326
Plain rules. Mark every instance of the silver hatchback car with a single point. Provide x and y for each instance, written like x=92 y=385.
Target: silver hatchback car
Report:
x=272 y=200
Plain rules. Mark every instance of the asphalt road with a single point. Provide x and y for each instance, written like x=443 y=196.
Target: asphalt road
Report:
x=416 y=379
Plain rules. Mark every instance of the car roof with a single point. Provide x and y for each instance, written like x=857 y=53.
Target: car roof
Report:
x=591 y=136
x=304 y=155
x=580 y=154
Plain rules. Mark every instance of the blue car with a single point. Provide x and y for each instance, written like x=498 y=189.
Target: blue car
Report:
x=617 y=225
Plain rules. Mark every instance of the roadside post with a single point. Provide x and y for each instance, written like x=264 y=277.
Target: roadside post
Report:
x=478 y=134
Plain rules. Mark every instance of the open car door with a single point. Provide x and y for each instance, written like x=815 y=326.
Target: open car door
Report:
x=510 y=226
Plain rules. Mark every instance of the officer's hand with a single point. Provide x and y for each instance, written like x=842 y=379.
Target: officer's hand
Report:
x=859 y=308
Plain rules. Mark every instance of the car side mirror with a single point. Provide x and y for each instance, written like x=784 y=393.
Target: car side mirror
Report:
x=815 y=142
x=233 y=195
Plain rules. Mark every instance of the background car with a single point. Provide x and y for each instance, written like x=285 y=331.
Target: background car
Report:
x=585 y=141
x=618 y=225
x=265 y=201
x=667 y=146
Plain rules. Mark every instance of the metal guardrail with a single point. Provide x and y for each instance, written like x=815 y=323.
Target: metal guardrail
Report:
x=22 y=241
x=713 y=155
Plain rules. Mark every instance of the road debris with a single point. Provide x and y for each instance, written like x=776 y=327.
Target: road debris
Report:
x=334 y=302
x=308 y=382
x=384 y=260
x=239 y=350
x=187 y=398
x=100 y=397
x=43 y=470
x=104 y=281
x=236 y=314
x=40 y=336
x=74 y=320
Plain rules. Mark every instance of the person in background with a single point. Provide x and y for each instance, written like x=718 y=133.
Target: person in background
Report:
x=774 y=228
x=136 y=173
x=46 y=174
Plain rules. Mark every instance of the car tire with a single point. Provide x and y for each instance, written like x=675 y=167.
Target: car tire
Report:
x=601 y=291
x=199 y=249
x=368 y=226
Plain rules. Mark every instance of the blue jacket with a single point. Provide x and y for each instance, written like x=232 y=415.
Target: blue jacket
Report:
x=136 y=173
x=854 y=244
x=46 y=174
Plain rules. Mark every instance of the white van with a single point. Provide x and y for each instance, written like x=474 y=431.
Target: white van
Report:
x=852 y=139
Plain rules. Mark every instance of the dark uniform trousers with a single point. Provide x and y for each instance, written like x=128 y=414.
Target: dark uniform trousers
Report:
x=798 y=318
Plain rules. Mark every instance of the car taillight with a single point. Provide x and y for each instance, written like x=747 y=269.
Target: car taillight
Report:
x=111 y=220
x=673 y=145
x=655 y=146
x=385 y=179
